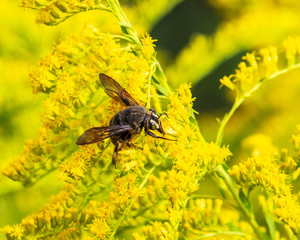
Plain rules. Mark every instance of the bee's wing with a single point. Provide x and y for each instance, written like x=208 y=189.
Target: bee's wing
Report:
x=97 y=134
x=116 y=91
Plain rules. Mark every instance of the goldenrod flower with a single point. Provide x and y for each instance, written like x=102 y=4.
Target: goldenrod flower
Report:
x=148 y=46
x=155 y=192
x=262 y=65
x=54 y=12
x=262 y=170
x=158 y=230
x=100 y=228
x=16 y=232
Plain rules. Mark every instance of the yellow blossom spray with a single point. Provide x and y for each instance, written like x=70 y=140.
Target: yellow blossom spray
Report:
x=155 y=192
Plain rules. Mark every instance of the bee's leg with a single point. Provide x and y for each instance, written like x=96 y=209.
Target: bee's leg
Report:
x=153 y=135
x=118 y=147
x=130 y=144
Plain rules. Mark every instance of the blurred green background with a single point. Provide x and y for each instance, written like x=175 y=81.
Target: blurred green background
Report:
x=199 y=41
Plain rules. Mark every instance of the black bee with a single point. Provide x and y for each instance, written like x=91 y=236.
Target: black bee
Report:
x=124 y=124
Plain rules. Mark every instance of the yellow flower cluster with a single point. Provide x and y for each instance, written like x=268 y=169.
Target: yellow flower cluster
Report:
x=261 y=145
x=263 y=171
x=53 y=12
x=262 y=65
x=106 y=217
x=190 y=163
x=148 y=46
x=201 y=214
x=265 y=64
x=191 y=156
x=15 y=232
x=156 y=230
x=70 y=76
x=152 y=193
x=79 y=164
x=68 y=208
x=131 y=201
x=56 y=214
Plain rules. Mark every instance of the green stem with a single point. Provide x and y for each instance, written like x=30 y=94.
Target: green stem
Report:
x=220 y=169
x=235 y=193
x=161 y=77
x=128 y=30
x=124 y=22
x=240 y=99
x=225 y=120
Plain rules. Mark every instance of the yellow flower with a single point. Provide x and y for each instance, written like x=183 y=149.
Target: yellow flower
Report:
x=291 y=48
x=14 y=232
x=261 y=170
x=54 y=12
x=29 y=224
x=227 y=82
x=201 y=214
x=148 y=46
x=70 y=76
x=100 y=228
x=269 y=60
x=125 y=190
x=158 y=230
x=261 y=65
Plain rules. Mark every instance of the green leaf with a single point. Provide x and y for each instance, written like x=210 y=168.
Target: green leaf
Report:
x=271 y=225
x=245 y=200
x=159 y=87
x=223 y=192
x=193 y=121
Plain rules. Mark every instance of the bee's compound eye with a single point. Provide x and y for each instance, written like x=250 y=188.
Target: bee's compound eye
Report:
x=153 y=125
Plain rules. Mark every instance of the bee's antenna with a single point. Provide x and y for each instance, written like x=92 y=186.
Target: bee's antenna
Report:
x=163 y=114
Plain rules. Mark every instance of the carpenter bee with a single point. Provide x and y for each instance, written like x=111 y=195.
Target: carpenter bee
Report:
x=124 y=124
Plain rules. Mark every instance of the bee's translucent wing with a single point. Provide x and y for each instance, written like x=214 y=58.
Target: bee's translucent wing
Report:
x=116 y=91
x=97 y=134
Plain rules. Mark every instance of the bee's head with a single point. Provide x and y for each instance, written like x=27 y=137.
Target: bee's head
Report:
x=154 y=122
